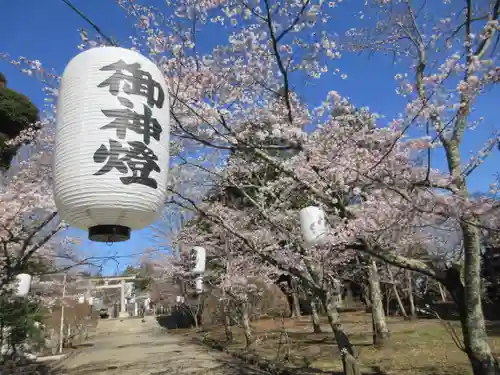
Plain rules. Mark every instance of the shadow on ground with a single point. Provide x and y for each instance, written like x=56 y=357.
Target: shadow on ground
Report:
x=177 y=319
x=34 y=368
x=493 y=328
x=227 y=367
x=86 y=345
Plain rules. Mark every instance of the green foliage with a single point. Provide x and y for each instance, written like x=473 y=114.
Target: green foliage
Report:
x=7 y=152
x=143 y=283
x=17 y=113
x=21 y=316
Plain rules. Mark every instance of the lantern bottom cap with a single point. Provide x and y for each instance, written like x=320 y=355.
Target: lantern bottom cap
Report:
x=109 y=233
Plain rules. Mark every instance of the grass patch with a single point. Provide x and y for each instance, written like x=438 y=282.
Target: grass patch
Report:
x=421 y=347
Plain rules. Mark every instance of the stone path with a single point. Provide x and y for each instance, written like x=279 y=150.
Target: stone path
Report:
x=131 y=347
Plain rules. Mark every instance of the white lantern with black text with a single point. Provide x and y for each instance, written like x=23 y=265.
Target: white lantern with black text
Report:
x=112 y=136
x=90 y=301
x=23 y=281
x=198 y=259
x=313 y=225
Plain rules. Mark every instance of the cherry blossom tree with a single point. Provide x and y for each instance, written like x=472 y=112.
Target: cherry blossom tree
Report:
x=209 y=111
x=235 y=277
x=453 y=62
x=28 y=216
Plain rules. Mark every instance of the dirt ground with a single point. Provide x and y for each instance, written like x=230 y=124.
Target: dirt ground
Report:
x=131 y=347
x=422 y=347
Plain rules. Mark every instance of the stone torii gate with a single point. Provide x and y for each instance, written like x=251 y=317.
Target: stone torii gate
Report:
x=123 y=313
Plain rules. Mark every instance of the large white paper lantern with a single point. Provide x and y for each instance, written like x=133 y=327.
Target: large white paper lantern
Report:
x=112 y=137
x=23 y=281
x=313 y=225
x=198 y=259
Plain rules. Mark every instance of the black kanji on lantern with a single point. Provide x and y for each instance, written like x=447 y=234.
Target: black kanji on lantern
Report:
x=138 y=158
x=138 y=82
x=142 y=124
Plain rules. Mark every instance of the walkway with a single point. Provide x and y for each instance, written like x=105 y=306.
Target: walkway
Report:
x=131 y=347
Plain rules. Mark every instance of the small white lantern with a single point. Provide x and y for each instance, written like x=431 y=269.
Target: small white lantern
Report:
x=90 y=301
x=23 y=281
x=128 y=289
x=198 y=259
x=81 y=299
x=112 y=143
x=199 y=284
x=179 y=299
x=313 y=225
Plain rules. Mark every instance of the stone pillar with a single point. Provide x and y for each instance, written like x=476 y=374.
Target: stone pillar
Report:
x=123 y=306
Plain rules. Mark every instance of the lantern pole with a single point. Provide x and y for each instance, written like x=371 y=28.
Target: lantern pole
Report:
x=179 y=256
x=61 y=328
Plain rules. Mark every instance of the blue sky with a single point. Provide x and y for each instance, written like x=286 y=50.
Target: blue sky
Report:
x=48 y=31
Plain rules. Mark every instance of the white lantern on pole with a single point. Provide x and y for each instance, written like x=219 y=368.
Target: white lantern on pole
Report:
x=129 y=287
x=313 y=225
x=198 y=259
x=90 y=301
x=179 y=299
x=23 y=281
x=81 y=299
x=199 y=284
x=112 y=136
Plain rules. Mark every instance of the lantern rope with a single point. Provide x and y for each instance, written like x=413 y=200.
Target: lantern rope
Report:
x=96 y=28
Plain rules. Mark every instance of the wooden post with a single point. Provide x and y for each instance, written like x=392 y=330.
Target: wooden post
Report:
x=61 y=327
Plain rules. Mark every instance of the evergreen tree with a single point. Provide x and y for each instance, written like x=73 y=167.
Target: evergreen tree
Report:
x=17 y=113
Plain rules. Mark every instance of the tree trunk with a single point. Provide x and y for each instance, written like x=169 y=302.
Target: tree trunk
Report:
x=245 y=324
x=411 y=301
x=313 y=301
x=291 y=293
x=396 y=293
x=227 y=327
x=227 y=320
x=468 y=295
x=471 y=310
x=348 y=298
x=295 y=299
x=387 y=292
x=380 y=330
x=332 y=314
x=442 y=292
x=365 y=291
